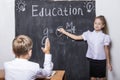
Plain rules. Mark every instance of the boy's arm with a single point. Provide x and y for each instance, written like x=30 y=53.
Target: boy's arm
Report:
x=48 y=65
x=46 y=49
x=107 y=51
x=75 y=37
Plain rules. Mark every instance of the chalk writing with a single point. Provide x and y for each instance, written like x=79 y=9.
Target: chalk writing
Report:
x=45 y=33
x=66 y=11
x=69 y=28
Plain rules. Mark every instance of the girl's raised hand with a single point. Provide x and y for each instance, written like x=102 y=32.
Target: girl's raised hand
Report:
x=61 y=30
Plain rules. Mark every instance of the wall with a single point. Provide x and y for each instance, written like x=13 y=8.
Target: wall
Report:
x=108 y=8
x=7 y=30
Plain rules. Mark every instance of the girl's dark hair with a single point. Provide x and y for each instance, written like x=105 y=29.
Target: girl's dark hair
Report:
x=102 y=18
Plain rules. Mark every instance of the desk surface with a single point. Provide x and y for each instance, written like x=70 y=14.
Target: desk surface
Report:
x=2 y=74
x=57 y=76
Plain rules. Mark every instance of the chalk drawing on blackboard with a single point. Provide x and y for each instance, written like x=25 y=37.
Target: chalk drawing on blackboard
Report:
x=69 y=28
x=45 y=33
x=89 y=6
x=21 y=5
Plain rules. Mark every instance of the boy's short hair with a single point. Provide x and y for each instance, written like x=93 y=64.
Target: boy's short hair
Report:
x=21 y=45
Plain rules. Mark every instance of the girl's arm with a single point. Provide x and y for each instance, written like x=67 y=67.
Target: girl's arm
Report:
x=75 y=37
x=107 y=51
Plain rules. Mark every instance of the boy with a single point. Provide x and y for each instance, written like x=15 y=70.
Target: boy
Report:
x=22 y=69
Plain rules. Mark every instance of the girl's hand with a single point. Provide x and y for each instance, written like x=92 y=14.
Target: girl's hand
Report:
x=61 y=30
x=46 y=49
x=109 y=66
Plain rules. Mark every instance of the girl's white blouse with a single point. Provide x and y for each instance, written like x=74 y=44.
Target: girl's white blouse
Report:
x=96 y=42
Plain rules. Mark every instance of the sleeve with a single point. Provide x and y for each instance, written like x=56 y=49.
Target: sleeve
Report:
x=85 y=35
x=107 y=40
x=48 y=66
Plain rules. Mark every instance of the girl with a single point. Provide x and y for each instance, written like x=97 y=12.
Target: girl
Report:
x=98 y=52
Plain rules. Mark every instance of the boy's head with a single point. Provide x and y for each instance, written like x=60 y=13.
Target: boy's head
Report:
x=21 y=45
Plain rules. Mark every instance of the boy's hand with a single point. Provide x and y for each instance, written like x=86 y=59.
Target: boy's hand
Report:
x=61 y=30
x=46 y=49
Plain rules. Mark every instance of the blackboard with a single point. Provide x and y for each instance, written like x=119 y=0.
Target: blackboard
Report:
x=41 y=19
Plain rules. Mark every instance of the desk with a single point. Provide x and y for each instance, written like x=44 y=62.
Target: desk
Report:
x=2 y=74
x=59 y=75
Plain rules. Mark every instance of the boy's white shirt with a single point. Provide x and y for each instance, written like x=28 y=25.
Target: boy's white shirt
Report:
x=22 y=69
